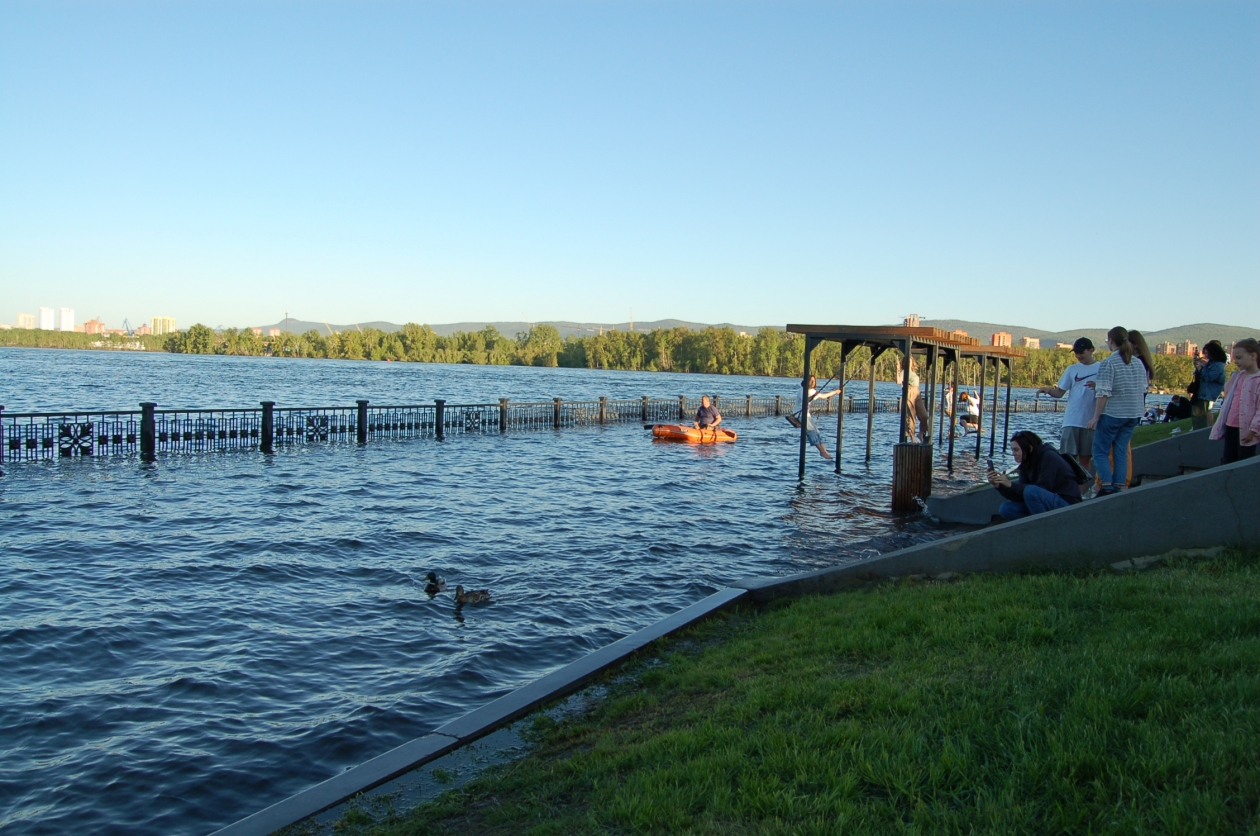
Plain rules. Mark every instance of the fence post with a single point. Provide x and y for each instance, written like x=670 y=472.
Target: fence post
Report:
x=503 y=402
x=748 y=406
x=603 y=410
x=362 y=428
x=682 y=407
x=645 y=408
x=1 y=437
x=439 y=418
x=778 y=404
x=148 y=432
x=556 y=412
x=268 y=434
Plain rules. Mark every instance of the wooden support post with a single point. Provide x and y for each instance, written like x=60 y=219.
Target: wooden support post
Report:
x=954 y=416
x=778 y=405
x=997 y=382
x=557 y=412
x=984 y=371
x=844 y=365
x=682 y=408
x=1006 y=426
x=903 y=408
x=148 y=432
x=268 y=435
x=870 y=406
x=747 y=406
x=800 y=464
x=645 y=408
x=603 y=410
x=912 y=475
x=503 y=419
x=362 y=422
x=940 y=433
x=439 y=419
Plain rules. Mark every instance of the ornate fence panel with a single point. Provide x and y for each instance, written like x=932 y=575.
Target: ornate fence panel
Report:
x=470 y=419
x=391 y=422
x=530 y=415
x=315 y=425
x=187 y=430
x=31 y=436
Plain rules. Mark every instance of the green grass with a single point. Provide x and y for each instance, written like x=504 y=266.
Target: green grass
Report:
x=1090 y=703
x=1148 y=433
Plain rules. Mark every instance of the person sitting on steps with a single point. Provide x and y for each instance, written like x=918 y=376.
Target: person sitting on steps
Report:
x=1046 y=480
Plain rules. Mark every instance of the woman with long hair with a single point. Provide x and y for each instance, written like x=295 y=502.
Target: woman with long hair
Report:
x=1119 y=401
x=1239 y=422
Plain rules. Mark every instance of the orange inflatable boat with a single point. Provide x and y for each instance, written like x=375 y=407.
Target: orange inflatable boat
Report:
x=691 y=435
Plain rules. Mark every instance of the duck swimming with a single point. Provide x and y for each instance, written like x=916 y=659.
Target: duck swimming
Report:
x=435 y=584
x=471 y=596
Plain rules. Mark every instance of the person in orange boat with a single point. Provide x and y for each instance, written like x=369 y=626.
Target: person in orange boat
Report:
x=707 y=416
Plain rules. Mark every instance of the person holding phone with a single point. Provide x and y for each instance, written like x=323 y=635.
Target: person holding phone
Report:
x=1046 y=480
x=1209 y=380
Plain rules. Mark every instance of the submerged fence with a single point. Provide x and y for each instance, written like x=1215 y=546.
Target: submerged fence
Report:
x=33 y=436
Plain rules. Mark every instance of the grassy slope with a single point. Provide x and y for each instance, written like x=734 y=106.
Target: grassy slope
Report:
x=1148 y=433
x=998 y=704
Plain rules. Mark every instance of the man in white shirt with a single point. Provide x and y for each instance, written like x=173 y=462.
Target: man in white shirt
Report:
x=1076 y=382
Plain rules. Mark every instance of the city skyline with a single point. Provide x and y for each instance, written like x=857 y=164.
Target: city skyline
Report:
x=743 y=162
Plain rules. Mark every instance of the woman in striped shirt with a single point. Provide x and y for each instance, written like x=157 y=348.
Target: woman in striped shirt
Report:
x=1119 y=400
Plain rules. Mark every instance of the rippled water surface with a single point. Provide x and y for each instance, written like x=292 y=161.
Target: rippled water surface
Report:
x=186 y=642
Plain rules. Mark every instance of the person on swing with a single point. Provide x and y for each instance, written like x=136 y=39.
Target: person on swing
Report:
x=811 y=429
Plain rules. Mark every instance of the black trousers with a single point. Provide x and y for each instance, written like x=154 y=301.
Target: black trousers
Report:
x=1233 y=450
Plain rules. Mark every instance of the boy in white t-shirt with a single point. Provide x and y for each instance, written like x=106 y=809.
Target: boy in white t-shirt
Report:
x=1076 y=382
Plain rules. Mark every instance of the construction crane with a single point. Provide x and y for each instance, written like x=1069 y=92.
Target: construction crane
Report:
x=127 y=327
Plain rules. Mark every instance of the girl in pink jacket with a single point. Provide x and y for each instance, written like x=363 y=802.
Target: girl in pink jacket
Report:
x=1239 y=423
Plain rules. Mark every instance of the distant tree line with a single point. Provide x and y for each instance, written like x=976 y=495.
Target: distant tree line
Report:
x=769 y=352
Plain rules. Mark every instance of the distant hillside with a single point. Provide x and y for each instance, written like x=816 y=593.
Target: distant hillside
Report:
x=510 y=329
x=1198 y=333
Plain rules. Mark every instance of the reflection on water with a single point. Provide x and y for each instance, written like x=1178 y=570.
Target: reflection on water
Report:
x=189 y=641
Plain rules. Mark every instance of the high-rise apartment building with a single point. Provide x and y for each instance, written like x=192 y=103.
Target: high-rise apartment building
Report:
x=1000 y=338
x=1165 y=348
x=46 y=319
x=26 y=320
x=911 y=321
x=1188 y=348
x=1030 y=342
x=94 y=326
x=67 y=319
x=163 y=325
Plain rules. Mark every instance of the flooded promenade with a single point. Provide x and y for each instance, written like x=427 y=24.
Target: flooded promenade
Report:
x=195 y=638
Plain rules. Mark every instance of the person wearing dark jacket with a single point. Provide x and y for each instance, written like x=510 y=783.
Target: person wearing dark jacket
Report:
x=1046 y=480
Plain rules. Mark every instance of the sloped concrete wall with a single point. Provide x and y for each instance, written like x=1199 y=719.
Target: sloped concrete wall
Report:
x=1215 y=507
x=1165 y=458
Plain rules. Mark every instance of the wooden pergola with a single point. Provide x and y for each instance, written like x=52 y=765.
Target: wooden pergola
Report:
x=935 y=345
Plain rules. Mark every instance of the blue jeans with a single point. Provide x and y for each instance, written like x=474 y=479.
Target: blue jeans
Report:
x=1113 y=434
x=1036 y=501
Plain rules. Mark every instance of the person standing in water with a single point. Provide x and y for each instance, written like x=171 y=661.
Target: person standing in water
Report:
x=1076 y=438
x=811 y=429
x=707 y=416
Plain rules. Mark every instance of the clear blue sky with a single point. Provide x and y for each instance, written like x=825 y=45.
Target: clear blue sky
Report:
x=1044 y=164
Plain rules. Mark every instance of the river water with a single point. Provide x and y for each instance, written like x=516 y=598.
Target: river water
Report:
x=185 y=642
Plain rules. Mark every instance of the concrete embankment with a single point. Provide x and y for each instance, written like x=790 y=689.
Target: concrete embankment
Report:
x=1215 y=507
x=1212 y=508
x=1173 y=456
